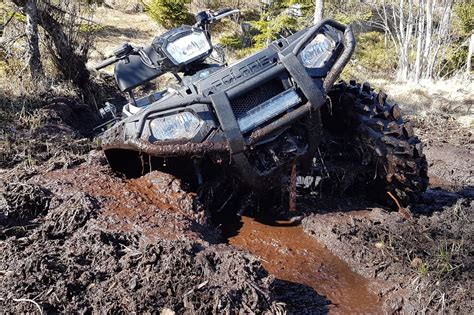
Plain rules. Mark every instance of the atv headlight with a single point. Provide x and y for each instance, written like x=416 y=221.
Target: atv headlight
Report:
x=317 y=52
x=183 y=125
x=189 y=47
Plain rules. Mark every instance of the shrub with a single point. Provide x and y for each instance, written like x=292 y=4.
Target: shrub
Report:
x=271 y=28
x=374 y=54
x=170 y=13
x=453 y=60
x=465 y=17
x=233 y=41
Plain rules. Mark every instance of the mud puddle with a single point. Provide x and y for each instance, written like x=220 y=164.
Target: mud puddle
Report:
x=289 y=254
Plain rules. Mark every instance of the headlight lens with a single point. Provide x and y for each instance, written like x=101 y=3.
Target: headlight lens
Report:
x=317 y=52
x=184 y=125
x=188 y=47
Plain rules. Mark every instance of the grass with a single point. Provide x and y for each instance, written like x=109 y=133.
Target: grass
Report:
x=446 y=252
x=423 y=269
x=31 y=120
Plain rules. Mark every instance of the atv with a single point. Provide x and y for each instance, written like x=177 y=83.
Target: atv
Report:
x=252 y=123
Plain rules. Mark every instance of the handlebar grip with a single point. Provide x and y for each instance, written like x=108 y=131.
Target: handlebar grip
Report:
x=223 y=11
x=106 y=62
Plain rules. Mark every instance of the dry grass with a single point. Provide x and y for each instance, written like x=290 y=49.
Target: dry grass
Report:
x=454 y=97
x=118 y=27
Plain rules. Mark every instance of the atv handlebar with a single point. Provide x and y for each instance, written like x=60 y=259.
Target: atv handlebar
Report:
x=119 y=53
x=205 y=18
x=224 y=13
x=106 y=62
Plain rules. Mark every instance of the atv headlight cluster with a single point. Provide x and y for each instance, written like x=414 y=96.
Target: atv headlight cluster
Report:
x=189 y=47
x=318 y=51
x=183 y=125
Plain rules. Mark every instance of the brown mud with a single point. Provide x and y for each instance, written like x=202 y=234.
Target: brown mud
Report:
x=75 y=238
x=106 y=244
x=155 y=205
x=426 y=262
x=78 y=239
x=289 y=254
x=449 y=148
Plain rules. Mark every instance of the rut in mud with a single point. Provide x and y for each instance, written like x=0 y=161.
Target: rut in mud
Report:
x=310 y=278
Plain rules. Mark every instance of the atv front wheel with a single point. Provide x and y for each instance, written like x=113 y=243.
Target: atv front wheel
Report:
x=388 y=155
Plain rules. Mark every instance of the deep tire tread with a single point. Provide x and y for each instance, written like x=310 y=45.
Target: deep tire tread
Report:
x=396 y=153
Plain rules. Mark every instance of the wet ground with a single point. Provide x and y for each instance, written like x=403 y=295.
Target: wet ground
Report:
x=289 y=254
x=74 y=237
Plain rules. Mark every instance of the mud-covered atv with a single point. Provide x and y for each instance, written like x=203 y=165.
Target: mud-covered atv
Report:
x=250 y=122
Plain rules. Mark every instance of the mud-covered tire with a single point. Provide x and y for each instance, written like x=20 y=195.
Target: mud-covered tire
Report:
x=393 y=155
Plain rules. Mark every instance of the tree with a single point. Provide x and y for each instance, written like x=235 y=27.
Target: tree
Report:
x=421 y=32
x=469 y=55
x=169 y=13
x=67 y=36
x=34 y=58
x=318 y=11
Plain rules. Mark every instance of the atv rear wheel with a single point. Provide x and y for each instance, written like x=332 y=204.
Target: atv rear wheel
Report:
x=385 y=154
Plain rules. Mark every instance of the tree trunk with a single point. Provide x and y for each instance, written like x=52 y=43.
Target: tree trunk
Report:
x=469 y=55
x=429 y=32
x=318 y=11
x=34 y=56
x=403 y=61
x=421 y=31
x=419 y=42
x=70 y=63
x=442 y=35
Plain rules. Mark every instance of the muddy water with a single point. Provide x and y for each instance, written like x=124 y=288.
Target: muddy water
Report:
x=290 y=254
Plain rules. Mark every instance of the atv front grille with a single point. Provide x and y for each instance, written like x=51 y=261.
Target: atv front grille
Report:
x=255 y=97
